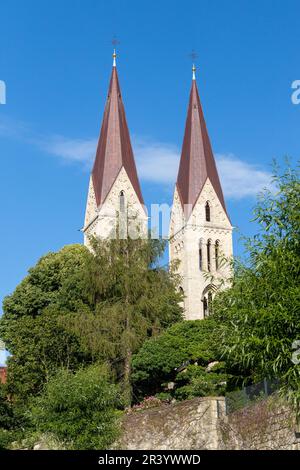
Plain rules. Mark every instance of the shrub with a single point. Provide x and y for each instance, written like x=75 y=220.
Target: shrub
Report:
x=12 y=420
x=80 y=409
x=195 y=381
x=181 y=355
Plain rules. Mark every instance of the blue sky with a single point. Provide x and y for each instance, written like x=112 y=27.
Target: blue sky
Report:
x=55 y=58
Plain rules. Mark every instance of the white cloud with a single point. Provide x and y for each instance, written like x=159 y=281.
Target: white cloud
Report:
x=76 y=150
x=11 y=128
x=157 y=162
x=241 y=179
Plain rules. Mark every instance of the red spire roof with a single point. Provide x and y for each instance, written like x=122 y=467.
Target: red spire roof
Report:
x=197 y=162
x=114 y=149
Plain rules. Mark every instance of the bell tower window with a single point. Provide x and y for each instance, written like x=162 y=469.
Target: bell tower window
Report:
x=207 y=299
x=200 y=257
x=217 y=254
x=207 y=212
x=122 y=202
x=205 y=307
x=208 y=247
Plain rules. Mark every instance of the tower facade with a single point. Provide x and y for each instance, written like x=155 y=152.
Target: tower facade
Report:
x=200 y=229
x=115 y=205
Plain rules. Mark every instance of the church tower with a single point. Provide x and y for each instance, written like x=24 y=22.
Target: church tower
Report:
x=115 y=202
x=200 y=229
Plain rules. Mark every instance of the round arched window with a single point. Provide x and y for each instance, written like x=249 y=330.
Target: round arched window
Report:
x=207 y=212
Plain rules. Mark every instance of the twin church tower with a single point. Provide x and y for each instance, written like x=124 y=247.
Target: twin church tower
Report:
x=200 y=235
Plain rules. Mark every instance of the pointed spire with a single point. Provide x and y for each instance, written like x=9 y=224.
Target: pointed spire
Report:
x=114 y=149
x=197 y=162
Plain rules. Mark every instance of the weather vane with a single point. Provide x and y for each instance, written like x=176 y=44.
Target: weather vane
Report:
x=115 y=41
x=193 y=55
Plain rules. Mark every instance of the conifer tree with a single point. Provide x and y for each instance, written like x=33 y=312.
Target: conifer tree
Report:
x=134 y=298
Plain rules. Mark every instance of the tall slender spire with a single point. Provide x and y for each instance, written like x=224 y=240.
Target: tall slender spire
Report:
x=114 y=150
x=197 y=162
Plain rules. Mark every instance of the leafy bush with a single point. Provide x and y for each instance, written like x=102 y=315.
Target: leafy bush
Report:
x=258 y=317
x=195 y=381
x=191 y=344
x=80 y=410
x=12 y=420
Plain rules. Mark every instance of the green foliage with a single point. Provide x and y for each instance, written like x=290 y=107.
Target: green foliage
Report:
x=134 y=298
x=12 y=420
x=80 y=410
x=56 y=280
x=76 y=307
x=31 y=325
x=40 y=346
x=195 y=381
x=6 y=410
x=258 y=318
x=159 y=357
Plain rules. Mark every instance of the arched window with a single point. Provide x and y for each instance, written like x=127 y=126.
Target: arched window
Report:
x=183 y=297
x=200 y=256
x=122 y=202
x=217 y=254
x=207 y=212
x=205 y=307
x=208 y=247
x=209 y=301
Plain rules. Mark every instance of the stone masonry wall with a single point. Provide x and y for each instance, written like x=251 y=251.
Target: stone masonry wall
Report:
x=267 y=425
x=201 y=423
x=191 y=424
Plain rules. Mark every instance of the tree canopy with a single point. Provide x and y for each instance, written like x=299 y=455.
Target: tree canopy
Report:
x=76 y=307
x=134 y=298
x=258 y=318
x=181 y=354
x=30 y=325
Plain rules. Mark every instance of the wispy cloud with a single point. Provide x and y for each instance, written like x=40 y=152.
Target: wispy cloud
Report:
x=241 y=179
x=157 y=162
x=10 y=128
x=72 y=150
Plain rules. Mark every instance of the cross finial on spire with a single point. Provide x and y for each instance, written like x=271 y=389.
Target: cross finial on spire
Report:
x=114 y=58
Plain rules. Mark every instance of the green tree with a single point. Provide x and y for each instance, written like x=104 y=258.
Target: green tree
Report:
x=80 y=410
x=31 y=327
x=258 y=318
x=191 y=344
x=134 y=298
x=12 y=420
x=76 y=307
